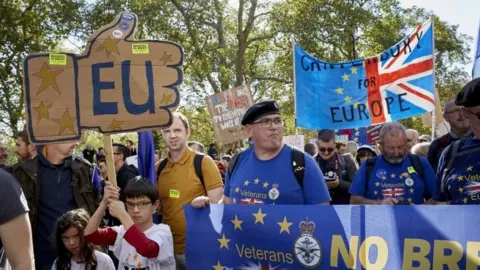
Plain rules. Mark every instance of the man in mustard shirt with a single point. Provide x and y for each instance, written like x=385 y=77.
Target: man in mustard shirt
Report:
x=183 y=176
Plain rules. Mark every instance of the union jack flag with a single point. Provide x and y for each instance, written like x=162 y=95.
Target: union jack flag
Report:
x=472 y=188
x=396 y=84
x=261 y=265
x=250 y=201
x=393 y=192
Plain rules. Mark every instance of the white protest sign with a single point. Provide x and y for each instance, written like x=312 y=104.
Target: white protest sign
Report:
x=297 y=141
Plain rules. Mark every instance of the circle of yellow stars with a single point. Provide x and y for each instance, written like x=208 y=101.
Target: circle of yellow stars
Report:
x=339 y=90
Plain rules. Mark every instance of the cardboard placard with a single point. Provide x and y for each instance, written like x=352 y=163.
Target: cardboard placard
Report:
x=117 y=84
x=297 y=141
x=227 y=109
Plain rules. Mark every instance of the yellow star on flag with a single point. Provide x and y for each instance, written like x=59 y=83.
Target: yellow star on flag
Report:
x=48 y=78
x=353 y=70
x=339 y=90
x=460 y=178
x=246 y=182
x=357 y=133
x=43 y=111
x=384 y=178
x=409 y=200
x=377 y=184
x=285 y=225
x=223 y=242
x=465 y=200
x=348 y=99
x=218 y=266
x=356 y=139
x=115 y=125
x=393 y=175
x=237 y=189
x=265 y=184
x=110 y=45
x=470 y=168
x=259 y=216
x=166 y=99
x=375 y=192
x=234 y=200
x=460 y=189
x=166 y=58
x=257 y=180
x=65 y=122
x=345 y=77
x=237 y=223
x=411 y=190
x=355 y=104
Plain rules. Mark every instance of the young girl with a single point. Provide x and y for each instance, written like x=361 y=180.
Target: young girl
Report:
x=73 y=252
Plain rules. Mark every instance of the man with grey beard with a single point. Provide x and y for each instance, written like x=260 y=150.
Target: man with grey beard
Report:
x=395 y=176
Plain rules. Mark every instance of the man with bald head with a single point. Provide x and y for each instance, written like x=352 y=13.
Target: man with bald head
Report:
x=459 y=128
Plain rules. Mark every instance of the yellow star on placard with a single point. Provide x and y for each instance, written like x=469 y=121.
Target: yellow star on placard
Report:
x=411 y=190
x=375 y=192
x=355 y=104
x=465 y=200
x=218 y=266
x=353 y=70
x=223 y=242
x=166 y=58
x=42 y=111
x=166 y=99
x=265 y=184
x=460 y=189
x=237 y=223
x=110 y=45
x=237 y=189
x=115 y=125
x=259 y=216
x=246 y=182
x=348 y=99
x=65 y=122
x=48 y=78
x=460 y=178
x=257 y=180
x=339 y=90
x=409 y=200
x=470 y=168
x=377 y=184
x=285 y=225
x=345 y=77
x=393 y=175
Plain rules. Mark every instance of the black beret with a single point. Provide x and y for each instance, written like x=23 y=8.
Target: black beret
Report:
x=259 y=110
x=469 y=96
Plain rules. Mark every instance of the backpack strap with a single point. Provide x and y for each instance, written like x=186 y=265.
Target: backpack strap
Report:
x=197 y=164
x=369 y=168
x=417 y=165
x=298 y=165
x=161 y=166
x=232 y=164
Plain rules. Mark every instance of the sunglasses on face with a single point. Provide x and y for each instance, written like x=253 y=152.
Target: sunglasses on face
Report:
x=323 y=150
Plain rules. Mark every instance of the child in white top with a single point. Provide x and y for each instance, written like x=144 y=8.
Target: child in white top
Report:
x=137 y=243
x=73 y=252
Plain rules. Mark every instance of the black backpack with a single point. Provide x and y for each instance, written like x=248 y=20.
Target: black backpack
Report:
x=197 y=164
x=298 y=165
x=455 y=150
x=414 y=160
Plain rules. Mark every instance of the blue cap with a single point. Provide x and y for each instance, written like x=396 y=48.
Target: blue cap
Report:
x=260 y=110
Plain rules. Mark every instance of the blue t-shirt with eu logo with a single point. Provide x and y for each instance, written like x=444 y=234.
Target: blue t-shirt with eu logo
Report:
x=463 y=178
x=399 y=181
x=256 y=181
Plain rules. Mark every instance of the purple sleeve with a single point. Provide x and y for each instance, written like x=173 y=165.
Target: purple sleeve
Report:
x=12 y=200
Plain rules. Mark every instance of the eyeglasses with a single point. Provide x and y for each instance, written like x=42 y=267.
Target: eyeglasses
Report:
x=323 y=150
x=267 y=122
x=140 y=205
x=453 y=111
x=470 y=112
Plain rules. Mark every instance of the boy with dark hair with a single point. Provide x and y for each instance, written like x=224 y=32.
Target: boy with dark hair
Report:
x=138 y=243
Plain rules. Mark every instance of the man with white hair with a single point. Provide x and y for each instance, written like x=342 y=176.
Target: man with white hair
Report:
x=412 y=139
x=395 y=176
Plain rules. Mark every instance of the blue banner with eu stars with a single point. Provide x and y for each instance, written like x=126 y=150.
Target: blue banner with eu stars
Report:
x=396 y=84
x=291 y=237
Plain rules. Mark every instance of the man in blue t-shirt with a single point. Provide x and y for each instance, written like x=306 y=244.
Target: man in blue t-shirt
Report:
x=393 y=179
x=458 y=175
x=263 y=174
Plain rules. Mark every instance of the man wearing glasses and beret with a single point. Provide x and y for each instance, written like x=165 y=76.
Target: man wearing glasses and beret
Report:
x=338 y=170
x=271 y=172
x=458 y=175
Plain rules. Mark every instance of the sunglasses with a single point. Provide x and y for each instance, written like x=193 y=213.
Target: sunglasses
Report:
x=323 y=150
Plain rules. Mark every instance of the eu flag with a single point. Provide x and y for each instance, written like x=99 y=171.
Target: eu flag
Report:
x=146 y=155
x=396 y=84
x=358 y=135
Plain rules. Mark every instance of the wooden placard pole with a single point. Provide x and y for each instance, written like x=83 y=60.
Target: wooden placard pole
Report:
x=107 y=144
